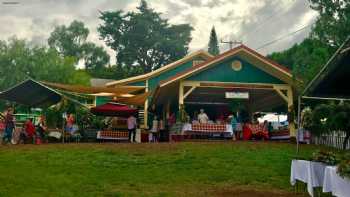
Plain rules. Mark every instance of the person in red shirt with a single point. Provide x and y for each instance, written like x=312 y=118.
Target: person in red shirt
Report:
x=29 y=128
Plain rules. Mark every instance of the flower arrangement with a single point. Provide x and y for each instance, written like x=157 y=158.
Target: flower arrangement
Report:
x=344 y=169
x=327 y=157
x=344 y=166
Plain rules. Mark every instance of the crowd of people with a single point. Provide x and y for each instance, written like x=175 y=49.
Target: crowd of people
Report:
x=242 y=126
x=36 y=131
x=28 y=133
x=33 y=130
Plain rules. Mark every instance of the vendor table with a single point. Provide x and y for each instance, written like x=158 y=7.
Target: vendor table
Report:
x=207 y=128
x=280 y=135
x=309 y=172
x=112 y=135
x=334 y=183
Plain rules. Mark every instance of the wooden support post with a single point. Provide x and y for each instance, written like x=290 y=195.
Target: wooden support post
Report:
x=288 y=97
x=189 y=92
x=181 y=94
x=145 y=117
x=292 y=129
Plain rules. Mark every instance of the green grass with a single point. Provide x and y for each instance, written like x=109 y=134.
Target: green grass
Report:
x=182 y=169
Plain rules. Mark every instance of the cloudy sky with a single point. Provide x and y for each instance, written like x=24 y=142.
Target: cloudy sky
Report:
x=255 y=22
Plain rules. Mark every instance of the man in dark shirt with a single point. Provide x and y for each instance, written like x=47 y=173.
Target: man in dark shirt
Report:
x=9 y=125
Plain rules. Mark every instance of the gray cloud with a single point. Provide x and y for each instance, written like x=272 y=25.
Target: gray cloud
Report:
x=255 y=22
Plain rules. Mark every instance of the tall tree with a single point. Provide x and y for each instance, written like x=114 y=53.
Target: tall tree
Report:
x=304 y=59
x=18 y=61
x=71 y=42
x=95 y=58
x=143 y=41
x=213 y=45
x=329 y=32
x=333 y=24
x=68 y=41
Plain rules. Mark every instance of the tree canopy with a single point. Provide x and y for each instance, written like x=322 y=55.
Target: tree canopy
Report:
x=304 y=59
x=19 y=61
x=328 y=33
x=333 y=24
x=142 y=40
x=68 y=41
x=213 y=45
x=71 y=41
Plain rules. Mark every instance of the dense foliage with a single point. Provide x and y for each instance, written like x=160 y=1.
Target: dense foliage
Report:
x=333 y=24
x=71 y=41
x=329 y=118
x=328 y=33
x=213 y=45
x=304 y=59
x=142 y=40
x=344 y=168
x=327 y=157
x=18 y=61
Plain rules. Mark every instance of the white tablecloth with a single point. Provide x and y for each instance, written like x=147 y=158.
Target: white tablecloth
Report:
x=311 y=173
x=334 y=183
x=55 y=134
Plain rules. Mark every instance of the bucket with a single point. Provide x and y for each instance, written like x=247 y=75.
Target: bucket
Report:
x=38 y=141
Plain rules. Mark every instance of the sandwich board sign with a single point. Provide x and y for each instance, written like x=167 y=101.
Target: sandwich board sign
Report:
x=237 y=95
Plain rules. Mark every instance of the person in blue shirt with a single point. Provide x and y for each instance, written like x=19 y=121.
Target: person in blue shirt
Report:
x=234 y=126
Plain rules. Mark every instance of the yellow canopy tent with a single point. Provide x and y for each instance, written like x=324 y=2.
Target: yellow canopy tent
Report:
x=117 y=91
x=138 y=100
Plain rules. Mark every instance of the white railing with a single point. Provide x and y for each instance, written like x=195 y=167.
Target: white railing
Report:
x=334 y=139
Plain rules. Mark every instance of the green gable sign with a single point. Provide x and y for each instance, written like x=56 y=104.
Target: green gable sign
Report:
x=236 y=70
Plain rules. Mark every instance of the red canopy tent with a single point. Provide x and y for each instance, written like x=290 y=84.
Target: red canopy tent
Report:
x=113 y=109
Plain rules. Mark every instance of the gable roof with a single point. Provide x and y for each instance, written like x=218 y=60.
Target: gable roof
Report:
x=271 y=67
x=200 y=53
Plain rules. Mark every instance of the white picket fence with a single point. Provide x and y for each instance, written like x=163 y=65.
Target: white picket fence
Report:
x=334 y=139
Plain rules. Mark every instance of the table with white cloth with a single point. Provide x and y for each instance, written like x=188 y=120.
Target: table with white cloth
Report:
x=335 y=184
x=309 y=172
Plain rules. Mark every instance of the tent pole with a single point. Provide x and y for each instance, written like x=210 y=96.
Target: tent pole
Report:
x=63 y=127
x=298 y=128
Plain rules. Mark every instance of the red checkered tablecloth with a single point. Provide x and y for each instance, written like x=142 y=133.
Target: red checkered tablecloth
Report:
x=256 y=128
x=113 y=134
x=209 y=127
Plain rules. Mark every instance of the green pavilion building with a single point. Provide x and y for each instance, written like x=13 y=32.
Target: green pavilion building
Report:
x=238 y=77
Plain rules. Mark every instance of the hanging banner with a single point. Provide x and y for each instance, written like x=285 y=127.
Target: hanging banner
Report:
x=237 y=95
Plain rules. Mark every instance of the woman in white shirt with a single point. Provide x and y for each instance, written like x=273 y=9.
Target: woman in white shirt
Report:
x=202 y=117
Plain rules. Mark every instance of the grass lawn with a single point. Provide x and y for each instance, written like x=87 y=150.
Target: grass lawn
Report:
x=181 y=169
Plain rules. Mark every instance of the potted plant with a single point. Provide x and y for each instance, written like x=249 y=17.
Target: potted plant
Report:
x=344 y=166
x=327 y=157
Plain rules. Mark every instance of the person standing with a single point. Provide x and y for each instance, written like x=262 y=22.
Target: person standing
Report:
x=152 y=136
x=132 y=127
x=42 y=129
x=234 y=127
x=29 y=129
x=161 y=136
x=203 y=117
x=9 y=125
x=70 y=122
